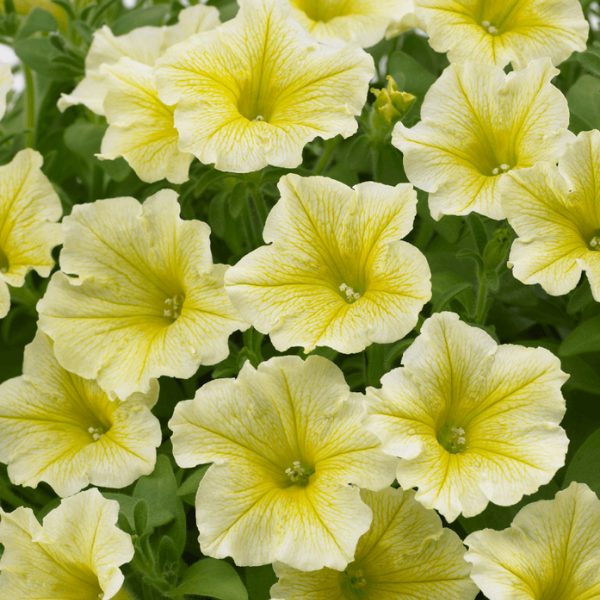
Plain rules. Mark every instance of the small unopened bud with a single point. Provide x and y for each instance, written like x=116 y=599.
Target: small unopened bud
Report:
x=495 y=252
x=391 y=105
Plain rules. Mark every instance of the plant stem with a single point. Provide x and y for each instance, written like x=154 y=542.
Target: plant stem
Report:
x=375 y=155
x=330 y=146
x=7 y=496
x=259 y=202
x=423 y=236
x=375 y=364
x=30 y=87
x=481 y=298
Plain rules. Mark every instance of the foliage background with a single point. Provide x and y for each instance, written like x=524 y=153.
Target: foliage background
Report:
x=466 y=257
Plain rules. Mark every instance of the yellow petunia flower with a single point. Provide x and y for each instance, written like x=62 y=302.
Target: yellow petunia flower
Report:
x=479 y=124
x=556 y=214
x=141 y=127
x=6 y=83
x=144 y=45
x=363 y=21
x=76 y=553
x=256 y=90
x=337 y=273
x=406 y=554
x=551 y=551
x=59 y=428
x=29 y=209
x=474 y=422
x=286 y=440
x=497 y=32
x=147 y=301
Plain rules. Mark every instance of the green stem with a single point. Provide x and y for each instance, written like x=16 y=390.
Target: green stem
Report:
x=7 y=496
x=375 y=155
x=330 y=146
x=30 y=87
x=481 y=298
x=376 y=364
x=259 y=202
x=424 y=235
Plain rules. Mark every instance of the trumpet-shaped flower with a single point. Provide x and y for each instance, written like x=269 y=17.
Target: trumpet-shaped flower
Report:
x=6 y=82
x=556 y=213
x=254 y=91
x=497 y=32
x=363 y=21
x=286 y=440
x=406 y=554
x=76 y=553
x=147 y=300
x=479 y=124
x=550 y=552
x=473 y=421
x=337 y=273
x=59 y=428
x=141 y=127
x=29 y=209
x=144 y=45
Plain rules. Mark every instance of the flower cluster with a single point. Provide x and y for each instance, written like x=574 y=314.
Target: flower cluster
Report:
x=358 y=408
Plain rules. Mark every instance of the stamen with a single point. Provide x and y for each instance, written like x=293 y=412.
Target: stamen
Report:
x=486 y=24
x=356 y=579
x=298 y=474
x=505 y=167
x=173 y=306
x=259 y=118
x=492 y=30
x=96 y=432
x=351 y=295
x=496 y=171
x=595 y=243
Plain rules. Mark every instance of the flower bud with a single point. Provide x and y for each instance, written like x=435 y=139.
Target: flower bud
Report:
x=391 y=105
x=495 y=252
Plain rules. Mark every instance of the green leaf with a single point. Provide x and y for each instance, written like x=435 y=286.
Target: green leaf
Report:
x=581 y=298
x=156 y=517
x=160 y=487
x=449 y=295
x=38 y=20
x=84 y=139
x=584 y=101
x=583 y=339
x=213 y=578
x=152 y=15
x=591 y=61
x=585 y=465
x=479 y=232
x=190 y=485
x=259 y=581
x=237 y=199
x=413 y=76
x=582 y=376
x=38 y=53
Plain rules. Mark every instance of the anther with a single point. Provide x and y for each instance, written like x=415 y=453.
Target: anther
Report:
x=595 y=243
x=351 y=295
x=492 y=30
x=486 y=24
x=259 y=118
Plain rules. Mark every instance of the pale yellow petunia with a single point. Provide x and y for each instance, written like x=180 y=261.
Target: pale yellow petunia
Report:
x=256 y=90
x=474 y=422
x=497 y=32
x=363 y=21
x=147 y=301
x=6 y=83
x=286 y=440
x=59 y=428
x=337 y=273
x=141 y=127
x=550 y=552
x=29 y=209
x=556 y=214
x=406 y=555
x=143 y=45
x=478 y=124
x=74 y=555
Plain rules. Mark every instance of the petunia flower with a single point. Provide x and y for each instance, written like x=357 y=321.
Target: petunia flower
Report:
x=76 y=553
x=286 y=440
x=472 y=421
x=6 y=82
x=59 y=428
x=337 y=273
x=363 y=21
x=551 y=550
x=147 y=300
x=256 y=90
x=478 y=124
x=29 y=209
x=141 y=127
x=497 y=32
x=406 y=554
x=143 y=44
x=556 y=214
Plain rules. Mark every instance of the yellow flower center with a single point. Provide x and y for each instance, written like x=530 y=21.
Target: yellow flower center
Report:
x=351 y=295
x=298 y=473
x=173 y=306
x=453 y=439
x=501 y=169
x=324 y=10
x=595 y=243
x=353 y=583
x=96 y=432
x=4 y=265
